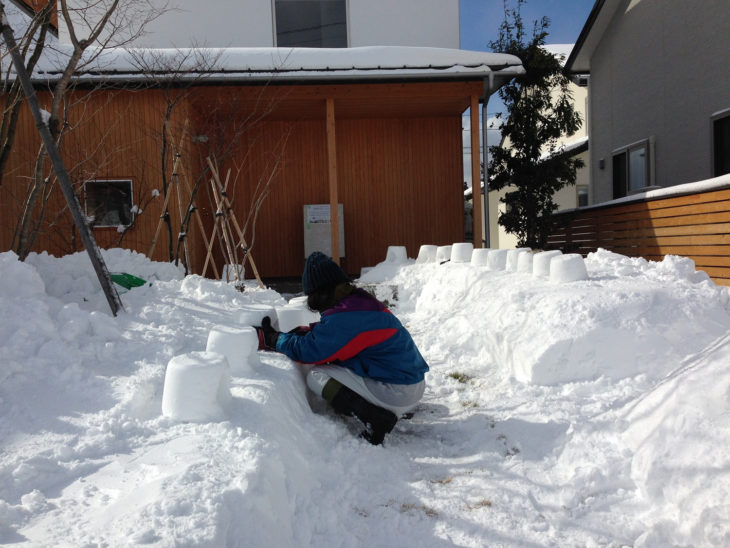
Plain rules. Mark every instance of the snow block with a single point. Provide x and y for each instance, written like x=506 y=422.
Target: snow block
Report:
x=427 y=254
x=443 y=253
x=541 y=263
x=524 y=262
x=513 y=256
x=253 y=314
x=479 y=256
x=396 y=254
x=233 y=272
x=461 y=252
x=295 y=315
x=238 y=344
x=497 y=259
x=568 y=268
x=197 y=387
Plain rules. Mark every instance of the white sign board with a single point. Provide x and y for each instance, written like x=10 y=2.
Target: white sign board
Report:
x=318 y=231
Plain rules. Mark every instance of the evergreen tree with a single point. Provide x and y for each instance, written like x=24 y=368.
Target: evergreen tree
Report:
x=539 y=111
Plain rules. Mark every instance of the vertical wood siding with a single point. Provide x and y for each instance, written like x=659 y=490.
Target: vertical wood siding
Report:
x=400 y=175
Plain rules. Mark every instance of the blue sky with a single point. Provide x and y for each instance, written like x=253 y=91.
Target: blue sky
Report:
x=480 y=20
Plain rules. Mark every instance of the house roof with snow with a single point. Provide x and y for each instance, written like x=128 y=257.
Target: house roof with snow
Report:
x=373 y=63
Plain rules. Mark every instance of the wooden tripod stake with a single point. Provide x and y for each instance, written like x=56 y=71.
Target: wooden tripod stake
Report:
x=218 y=188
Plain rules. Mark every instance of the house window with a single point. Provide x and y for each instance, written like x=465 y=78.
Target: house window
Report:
x=108 y=203
x=630 y=169
x=311 y=23
x=721 y=144
x=582 y=195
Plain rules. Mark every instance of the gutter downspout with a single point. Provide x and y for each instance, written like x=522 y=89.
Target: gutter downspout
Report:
x=489 y=87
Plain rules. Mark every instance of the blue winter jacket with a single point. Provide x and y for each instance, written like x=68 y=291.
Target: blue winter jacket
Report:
x=361 y=334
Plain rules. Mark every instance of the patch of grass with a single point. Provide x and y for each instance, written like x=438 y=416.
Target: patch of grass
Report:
x=430 y=512
x=463 y=378
x=483 y=503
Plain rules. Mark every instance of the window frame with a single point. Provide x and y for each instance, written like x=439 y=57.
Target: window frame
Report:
x=625 y=183
x=96 y=222
x=275 y=32
x=723 y=115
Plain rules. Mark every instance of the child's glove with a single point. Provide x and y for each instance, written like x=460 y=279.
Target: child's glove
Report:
x=301 y=330
x=267 y=335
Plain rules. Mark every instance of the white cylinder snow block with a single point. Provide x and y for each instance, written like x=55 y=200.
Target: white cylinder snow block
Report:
x=461 y=252
x=197 y=387
x=541 y=262
x=233 y=272
x=298 y=301
x=427 y=254
x=513 y=256
x=568 y=268
x=479 y=256
x=253 y=314
x=524 y=262
x=294 y=316
x=497 y=259
x=238 y=344
x=396 y=254
x=443 y=253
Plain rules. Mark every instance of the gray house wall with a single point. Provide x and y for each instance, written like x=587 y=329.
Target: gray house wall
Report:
x=661 y=69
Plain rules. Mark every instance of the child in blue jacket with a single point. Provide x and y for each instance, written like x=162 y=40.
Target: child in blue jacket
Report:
x=366 y=363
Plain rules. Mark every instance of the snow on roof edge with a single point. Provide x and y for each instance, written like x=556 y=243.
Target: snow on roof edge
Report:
x=296 y=63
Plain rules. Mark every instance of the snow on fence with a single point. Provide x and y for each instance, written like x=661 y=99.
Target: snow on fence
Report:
x=690 y=220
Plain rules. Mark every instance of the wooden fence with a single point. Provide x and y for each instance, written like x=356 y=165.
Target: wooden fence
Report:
x=695 y=225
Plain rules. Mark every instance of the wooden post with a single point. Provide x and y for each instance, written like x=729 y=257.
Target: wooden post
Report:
x=476 y=178
x=332 y=176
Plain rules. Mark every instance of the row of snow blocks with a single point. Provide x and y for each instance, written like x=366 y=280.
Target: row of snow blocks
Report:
x=197 y=387
x=239 y=345
x=458 y=253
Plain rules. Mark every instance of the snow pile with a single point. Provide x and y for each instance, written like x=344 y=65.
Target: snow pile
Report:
x=593 y=412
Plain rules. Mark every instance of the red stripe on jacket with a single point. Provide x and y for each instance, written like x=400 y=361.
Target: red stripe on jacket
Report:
x=360 y=343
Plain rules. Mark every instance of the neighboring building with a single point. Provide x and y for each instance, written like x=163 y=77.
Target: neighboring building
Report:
x=376 y=128
x=575 y=145
x=659 y=93
x=299 y=23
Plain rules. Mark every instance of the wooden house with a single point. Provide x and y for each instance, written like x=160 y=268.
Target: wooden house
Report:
x=375 y=128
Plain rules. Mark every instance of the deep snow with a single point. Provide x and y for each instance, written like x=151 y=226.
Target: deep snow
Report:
x=587 y=413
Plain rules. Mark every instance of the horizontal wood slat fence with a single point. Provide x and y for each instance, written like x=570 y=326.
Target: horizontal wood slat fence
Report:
x=691 y=225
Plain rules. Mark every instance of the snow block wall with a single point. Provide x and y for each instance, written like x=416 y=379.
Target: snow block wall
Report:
x=546 y=335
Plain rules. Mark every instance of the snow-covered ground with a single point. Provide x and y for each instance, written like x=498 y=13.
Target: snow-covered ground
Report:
x=586 y=413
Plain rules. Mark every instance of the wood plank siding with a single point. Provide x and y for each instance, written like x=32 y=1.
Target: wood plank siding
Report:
x=694 y=225
x=398 y=154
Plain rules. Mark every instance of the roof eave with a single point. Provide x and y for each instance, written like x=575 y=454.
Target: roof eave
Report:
x=578 y=61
